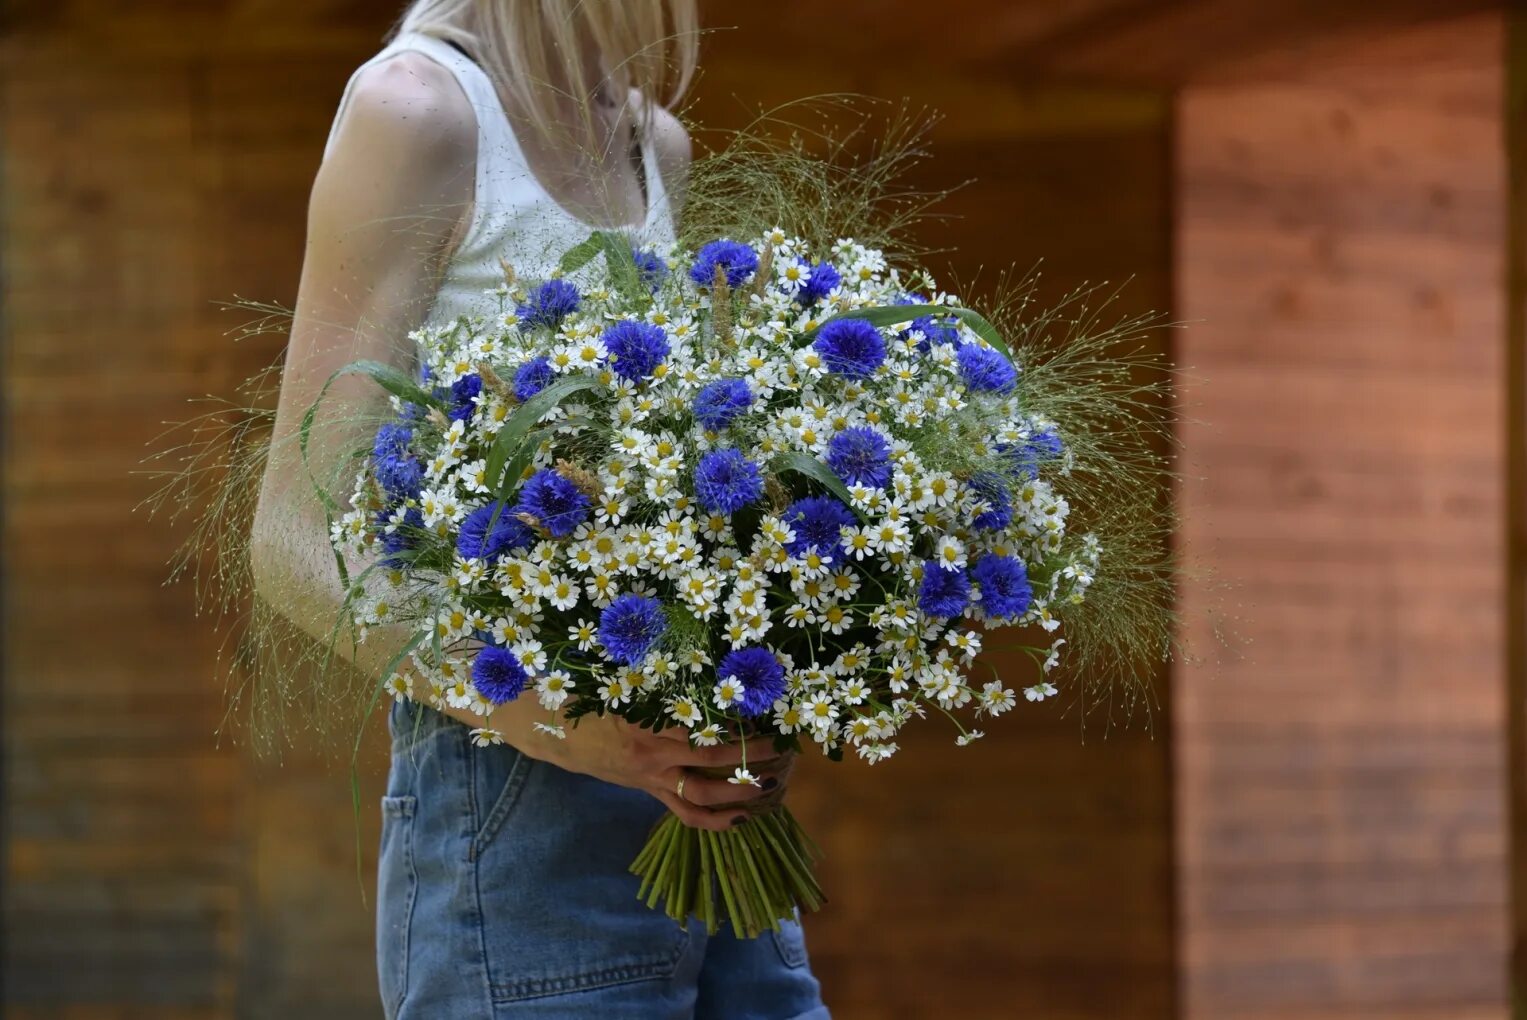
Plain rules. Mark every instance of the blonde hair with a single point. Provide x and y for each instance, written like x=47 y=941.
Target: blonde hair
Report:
x=531 y=48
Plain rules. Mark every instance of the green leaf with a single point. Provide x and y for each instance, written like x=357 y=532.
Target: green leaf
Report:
x=807 y=465
x=391 y=379
x=891 y=315
x=616 y=248
x=510 y=443
x=580 y=254
x=622 y=265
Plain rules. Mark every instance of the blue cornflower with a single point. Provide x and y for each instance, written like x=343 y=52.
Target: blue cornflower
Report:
x=860 y=456
x=401 y=477
x=818 y=522
x=985 y=368
x=1004 y=582
x=508 y=532
x=498 y=675
x=630 y=626
x=398 y=471
x=910 y=299
x=558 y=504
x=392 y=441
x=850 y=347
x=462 y=392
x=1023 y=458
x=532 y=377
x=934 y=331
x=549 y=304
x=726 y=481
x=737 y=260
x=401 y=538
x=720 y=403
x=761 y=675
x=990 y=487
x=1046 y=445
x=649 y=268
x=636 y=348
x=824 y=277
x=943 y=592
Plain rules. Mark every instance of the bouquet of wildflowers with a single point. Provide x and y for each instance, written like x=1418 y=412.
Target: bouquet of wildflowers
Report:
x=757 y=491
x=772 y=486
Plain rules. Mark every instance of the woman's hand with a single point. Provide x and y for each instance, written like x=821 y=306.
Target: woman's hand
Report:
x=609 y=748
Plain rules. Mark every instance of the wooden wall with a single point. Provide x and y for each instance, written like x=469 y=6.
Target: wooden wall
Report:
x=1342 y=841
x=157 y=160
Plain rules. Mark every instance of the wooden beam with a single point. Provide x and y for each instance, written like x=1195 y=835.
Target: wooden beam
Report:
x=1515 y=356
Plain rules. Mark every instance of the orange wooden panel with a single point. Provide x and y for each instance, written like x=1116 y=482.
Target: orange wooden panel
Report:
x=1341 y=829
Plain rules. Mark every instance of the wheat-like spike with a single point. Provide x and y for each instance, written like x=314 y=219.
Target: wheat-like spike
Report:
x=765 y=270
x=495 y=382
x=721 y=307
x=584 y=479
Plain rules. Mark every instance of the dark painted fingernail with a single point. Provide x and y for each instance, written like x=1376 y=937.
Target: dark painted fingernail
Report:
x=769 y=783
x=739 y=820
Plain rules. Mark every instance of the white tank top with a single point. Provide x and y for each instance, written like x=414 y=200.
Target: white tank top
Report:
x=513 y=217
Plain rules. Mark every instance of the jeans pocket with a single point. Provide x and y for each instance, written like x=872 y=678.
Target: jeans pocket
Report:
x=397 y=882
x=498 y=775
x=790 y=940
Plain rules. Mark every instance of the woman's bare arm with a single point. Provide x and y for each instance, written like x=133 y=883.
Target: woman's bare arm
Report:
x=386 y=208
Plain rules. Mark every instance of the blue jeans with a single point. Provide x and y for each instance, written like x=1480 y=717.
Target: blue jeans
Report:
x=503 y=892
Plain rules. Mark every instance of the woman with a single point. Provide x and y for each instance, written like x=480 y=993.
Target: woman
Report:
x=488 y=129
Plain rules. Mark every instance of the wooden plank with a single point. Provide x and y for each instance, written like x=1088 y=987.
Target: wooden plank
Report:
x=1342 y=833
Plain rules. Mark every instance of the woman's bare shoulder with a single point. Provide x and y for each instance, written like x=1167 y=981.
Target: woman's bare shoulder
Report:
x=671 y=147
x=670 y=139
x=408 y=108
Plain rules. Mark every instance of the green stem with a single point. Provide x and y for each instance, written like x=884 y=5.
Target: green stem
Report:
x=714 y=839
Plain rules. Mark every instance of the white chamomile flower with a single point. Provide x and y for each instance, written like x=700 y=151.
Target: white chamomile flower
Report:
x=685 y=711
x=1040 y=691
x=550 y=729
x=853 y=691
x=553 y=688
x=531 y=653
x=819 y=710
x=967 y=642
x=485 y=737
x=614 y=692
x=727 y=694
x=708 y=735
x=969 y=737
x=583 y=633
x=400 y=686
x=742 y=777
x=996 y=699
x=787 y=716
x=950 y=553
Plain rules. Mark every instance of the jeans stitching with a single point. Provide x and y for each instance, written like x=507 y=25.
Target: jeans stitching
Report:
x=503 y=804
x=534 y=988
x=402 y=811
x=792 y=948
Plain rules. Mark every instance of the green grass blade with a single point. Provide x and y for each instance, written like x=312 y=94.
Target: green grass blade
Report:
x=511 y=437
x=805 y=464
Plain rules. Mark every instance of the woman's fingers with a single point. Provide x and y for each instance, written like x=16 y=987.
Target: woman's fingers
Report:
x=757 y=753
x=695 y=816
x=718 y=793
